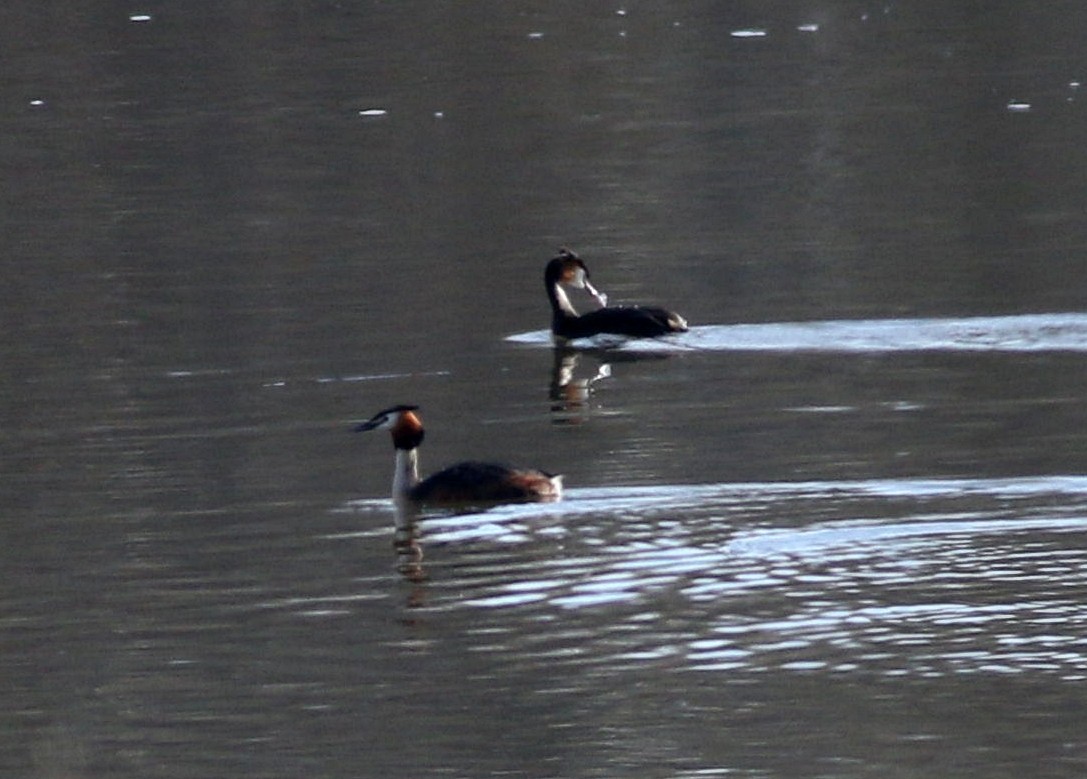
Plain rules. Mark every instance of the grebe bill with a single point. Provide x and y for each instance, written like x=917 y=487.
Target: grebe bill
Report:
x=464 y=483
x=631 y=321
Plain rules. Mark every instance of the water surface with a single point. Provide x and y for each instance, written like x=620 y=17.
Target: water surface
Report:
x=836 y=530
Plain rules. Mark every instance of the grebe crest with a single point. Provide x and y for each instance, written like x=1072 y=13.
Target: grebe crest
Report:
x=567 y=269
x=465 y=483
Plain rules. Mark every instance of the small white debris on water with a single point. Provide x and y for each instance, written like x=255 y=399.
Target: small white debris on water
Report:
x=535 y=36
x=621 y=12
x=373 y=112
x=37 y=102
x=1017 y=107
x=808 y=28
x=140 y=18
x=1074 y=84
x=439 y=114
x=748 y=33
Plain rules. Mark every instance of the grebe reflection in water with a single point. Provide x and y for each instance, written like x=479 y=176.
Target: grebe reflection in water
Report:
x=569 y=395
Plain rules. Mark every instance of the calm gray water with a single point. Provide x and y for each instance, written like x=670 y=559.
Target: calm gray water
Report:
x=837 y=530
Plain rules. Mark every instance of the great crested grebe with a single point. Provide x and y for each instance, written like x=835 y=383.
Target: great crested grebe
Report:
x=633 y=321
x=463 y=483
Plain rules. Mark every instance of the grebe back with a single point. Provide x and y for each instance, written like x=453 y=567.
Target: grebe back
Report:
x=631 y=321
x=464 y=483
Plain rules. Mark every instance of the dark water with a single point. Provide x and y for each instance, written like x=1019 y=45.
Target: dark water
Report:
x=835 y=531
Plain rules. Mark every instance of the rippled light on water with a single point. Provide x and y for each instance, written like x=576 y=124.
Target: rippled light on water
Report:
x=1021 y=333
x=897 y=577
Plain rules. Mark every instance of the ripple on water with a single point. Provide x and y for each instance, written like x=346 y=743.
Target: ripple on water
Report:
x=1022 y=333
x=923 y=577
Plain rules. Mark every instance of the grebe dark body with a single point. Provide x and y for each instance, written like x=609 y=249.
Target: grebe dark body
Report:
x=471 y=482
x=630 y=321
x=464 y=483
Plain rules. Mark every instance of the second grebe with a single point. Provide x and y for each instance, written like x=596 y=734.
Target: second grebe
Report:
x=633 y=321
x=463 y=483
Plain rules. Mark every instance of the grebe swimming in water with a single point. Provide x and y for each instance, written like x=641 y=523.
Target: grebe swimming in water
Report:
x=463 y=483
x=632 y=321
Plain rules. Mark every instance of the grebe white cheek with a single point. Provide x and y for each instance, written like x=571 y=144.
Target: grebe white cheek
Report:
x=577 y=276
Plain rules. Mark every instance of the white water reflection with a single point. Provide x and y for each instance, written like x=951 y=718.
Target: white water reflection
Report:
x=1024 y=333
x=899 y=576
x=1068 y=489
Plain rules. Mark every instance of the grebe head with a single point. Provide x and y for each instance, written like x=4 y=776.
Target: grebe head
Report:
x=405 y=426
x=569 y=269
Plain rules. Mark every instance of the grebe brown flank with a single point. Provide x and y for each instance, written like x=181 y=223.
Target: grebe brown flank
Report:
x=631 y=321
x=463 y=483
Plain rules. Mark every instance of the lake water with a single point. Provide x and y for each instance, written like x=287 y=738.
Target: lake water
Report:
x=836 y=530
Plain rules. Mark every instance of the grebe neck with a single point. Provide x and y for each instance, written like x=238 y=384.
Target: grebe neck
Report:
x=559 y=301
x=406 y=473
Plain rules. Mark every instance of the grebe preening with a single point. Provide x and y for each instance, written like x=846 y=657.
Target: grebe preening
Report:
x=463 y=483
x=632 y=321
